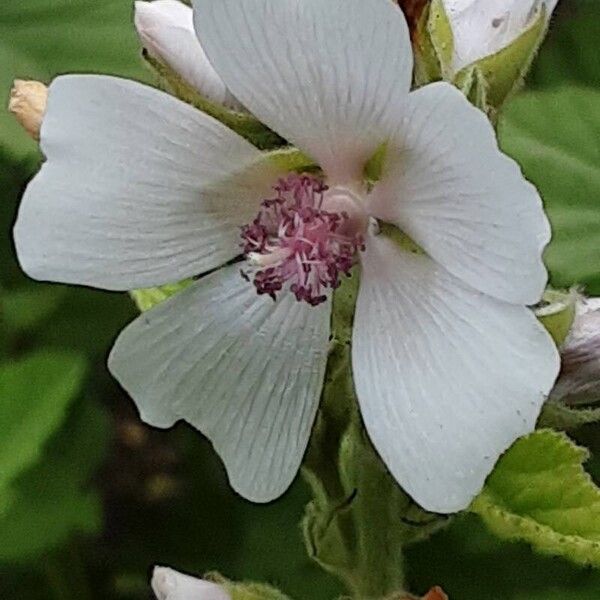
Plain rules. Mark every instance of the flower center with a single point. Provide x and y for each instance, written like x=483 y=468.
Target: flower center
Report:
x=306 y=237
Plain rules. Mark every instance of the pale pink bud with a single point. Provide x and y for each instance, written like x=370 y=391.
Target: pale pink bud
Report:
x=166 y=30
x=579 y=380
x=168 y=584
x=27 y=103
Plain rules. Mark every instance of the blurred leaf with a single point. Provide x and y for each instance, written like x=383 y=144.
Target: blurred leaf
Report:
x=14 y=65
x=39 y=39
x=88 y=321
x=51 y=499
x=540 y=493
x=554 y=137
x=24 y=309
x=466 y=560
x=570 y=53
x=34 y=396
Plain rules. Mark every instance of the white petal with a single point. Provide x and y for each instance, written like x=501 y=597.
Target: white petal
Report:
x=447 y=378
x=244 y=370
x=139 y=189
x=166 y=29
x=484 y=27
x=327 y=76
x=168 y=584
x=447 y=185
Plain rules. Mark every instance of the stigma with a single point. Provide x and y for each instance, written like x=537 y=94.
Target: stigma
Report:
x=304 y=239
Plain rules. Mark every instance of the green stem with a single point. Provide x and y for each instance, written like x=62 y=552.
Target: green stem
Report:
x=359 y=520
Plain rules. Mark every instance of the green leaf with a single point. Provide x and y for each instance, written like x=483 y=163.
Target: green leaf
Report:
x=554 y=137
x=470 y=563
x=570 y=53
x=540 y=493
x=39 y=40
x=52 y=500
x=35 y=394
x=24 y=309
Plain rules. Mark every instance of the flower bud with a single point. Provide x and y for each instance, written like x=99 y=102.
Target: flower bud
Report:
x=579 y=379
x=166 y=30
x=168 y=584
x=484 y=48
x=27 y=103
x=481 y=29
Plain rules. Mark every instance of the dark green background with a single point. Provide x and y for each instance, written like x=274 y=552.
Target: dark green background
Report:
x=164 y=495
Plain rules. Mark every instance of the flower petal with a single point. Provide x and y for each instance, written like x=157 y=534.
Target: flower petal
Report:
x=139 y=189
x=168 y=584
x=244 y=370
x=447 y=378
x=484 y=28
x=448 y=186
x=327 y=76
x=166 y=29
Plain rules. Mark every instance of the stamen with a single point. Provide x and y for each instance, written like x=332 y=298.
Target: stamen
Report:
x=294 y=241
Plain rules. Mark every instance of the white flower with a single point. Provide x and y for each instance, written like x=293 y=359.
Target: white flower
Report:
x=168 y=584
x=483 y=27
x=166 y=29
x=140 y=189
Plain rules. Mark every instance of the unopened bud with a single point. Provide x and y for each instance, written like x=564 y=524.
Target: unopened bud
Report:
x=579 y=379
x=27 y=103
x=168 y=584
x=166 y=30
x=481 y=29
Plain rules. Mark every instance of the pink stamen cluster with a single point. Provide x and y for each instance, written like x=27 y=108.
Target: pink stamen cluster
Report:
x=294 y=240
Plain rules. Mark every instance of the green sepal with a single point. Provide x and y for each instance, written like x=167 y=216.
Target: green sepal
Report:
x=489 y=82
x=433 y=45
x=556 y=312
x=242 y=123
x=557 y=415
x=254 y=591
x=148 y=298
x=539 y=493
x=358 y=514
x=472 y=83
x=246 y=590
x=291 y=159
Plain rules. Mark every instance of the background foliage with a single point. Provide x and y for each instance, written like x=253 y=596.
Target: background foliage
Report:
x=90 y=499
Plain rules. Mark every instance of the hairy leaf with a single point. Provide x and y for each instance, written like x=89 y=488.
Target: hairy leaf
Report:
x=540 y=493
